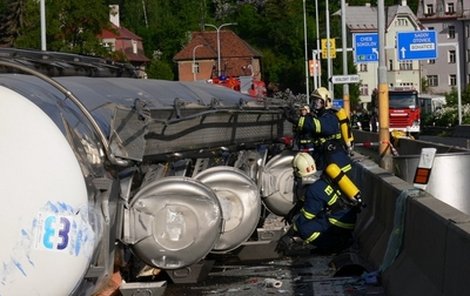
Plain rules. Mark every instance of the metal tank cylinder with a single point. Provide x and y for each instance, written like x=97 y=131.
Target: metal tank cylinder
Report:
x=174 y=222
x=240 y=202
x=276 y=180
x=447 y=182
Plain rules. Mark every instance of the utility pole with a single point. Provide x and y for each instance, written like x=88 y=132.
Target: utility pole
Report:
x=384 y=132
x=318 y=71
x=328 y=48
x=43 y=25
x=345 y=58
x=307 y=90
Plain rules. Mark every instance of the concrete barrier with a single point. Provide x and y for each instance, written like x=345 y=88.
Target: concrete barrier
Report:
x=420 y=245
x=462 y=131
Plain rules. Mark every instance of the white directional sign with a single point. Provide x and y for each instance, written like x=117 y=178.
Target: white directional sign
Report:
x=417 y=45
x=339 y=79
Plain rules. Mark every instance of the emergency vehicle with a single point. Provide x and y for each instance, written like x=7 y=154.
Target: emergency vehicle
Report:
x=404 y=109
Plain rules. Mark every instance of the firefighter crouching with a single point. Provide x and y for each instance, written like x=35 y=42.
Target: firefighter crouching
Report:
x=327 y=216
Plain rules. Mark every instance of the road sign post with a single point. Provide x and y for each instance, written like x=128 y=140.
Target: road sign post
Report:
x=342 y=79
x=366 y=48
x=416 y=45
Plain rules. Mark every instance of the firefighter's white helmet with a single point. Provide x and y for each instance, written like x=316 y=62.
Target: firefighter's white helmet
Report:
x=303 y=164
x=306 y=108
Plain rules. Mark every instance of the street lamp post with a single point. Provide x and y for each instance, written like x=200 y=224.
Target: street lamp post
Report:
x=307 y=91
x=218 y=41
x=194 y=60
x=43 y=24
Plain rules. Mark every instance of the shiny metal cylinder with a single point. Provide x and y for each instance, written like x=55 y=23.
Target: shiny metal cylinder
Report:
x=447 y=181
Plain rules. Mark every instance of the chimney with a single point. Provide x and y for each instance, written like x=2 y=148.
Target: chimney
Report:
x=403 y=3
x=114 y=15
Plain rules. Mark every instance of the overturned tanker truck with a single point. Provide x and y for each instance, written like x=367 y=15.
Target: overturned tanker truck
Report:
x=99 y=165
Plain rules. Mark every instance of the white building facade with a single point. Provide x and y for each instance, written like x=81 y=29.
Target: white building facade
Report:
x=399 y=18
x=451 y=21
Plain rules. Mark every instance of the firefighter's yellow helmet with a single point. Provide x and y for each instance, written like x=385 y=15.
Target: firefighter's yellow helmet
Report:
x=303 y=164
x=322 y=93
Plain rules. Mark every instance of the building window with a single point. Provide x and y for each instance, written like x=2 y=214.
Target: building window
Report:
x=390 y=65
x=406 y=65
x=432 y=80
x=430 y=28
x=452 y=80
x=451 y=32
x=429 y=9
x=364 y=89
x=362 y=67
x=401 y=22
x=451 y=57
x=134 y=47
x=467 y=57
x=431 y=61
x=196 y=68
x=467 y=30
x=450 y=8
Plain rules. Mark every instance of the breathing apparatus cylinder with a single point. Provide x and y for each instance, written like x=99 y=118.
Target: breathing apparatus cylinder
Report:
x=345 y=127
x=345 y=184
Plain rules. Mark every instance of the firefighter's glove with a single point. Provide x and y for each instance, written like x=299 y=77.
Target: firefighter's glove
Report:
x=290 y=217
x=286 y=241
x=291 y=114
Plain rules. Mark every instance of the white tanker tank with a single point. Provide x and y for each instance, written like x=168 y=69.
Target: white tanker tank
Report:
x=94 y=166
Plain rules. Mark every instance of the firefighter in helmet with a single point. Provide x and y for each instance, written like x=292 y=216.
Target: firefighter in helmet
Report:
x=324 y=127
x=325 y=221
x=304 y=139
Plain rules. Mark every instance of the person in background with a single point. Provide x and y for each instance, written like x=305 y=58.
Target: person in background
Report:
x=374 y=117
x=304 y=140
x=365 y=120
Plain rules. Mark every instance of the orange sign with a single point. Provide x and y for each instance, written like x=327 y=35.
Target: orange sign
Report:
x=311 y=66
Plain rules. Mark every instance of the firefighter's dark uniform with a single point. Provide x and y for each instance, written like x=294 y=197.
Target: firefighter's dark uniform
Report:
x=325 y=221
x=327 y=140
x=304 y=139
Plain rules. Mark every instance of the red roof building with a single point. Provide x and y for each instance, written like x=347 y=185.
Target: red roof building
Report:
x=121 y=39
x=237 y=58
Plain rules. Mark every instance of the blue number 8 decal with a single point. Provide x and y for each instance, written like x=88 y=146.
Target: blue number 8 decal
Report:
x=50 y=232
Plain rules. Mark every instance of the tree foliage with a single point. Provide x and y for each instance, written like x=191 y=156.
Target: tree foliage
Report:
x=273 y=27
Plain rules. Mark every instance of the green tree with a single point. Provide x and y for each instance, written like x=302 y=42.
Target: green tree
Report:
x=11 y=21
x=159 y=69
x=71 y=26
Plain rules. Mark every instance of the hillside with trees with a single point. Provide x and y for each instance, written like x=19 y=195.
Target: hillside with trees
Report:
x=275 y=27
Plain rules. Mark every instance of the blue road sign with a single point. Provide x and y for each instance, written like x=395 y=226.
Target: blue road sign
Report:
x=366 y=48
x=338 y=103
x=417 y=45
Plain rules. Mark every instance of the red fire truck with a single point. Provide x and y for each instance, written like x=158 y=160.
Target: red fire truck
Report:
x=404 y=110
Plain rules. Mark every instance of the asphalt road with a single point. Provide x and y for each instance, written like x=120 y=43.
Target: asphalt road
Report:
x=302 y=274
